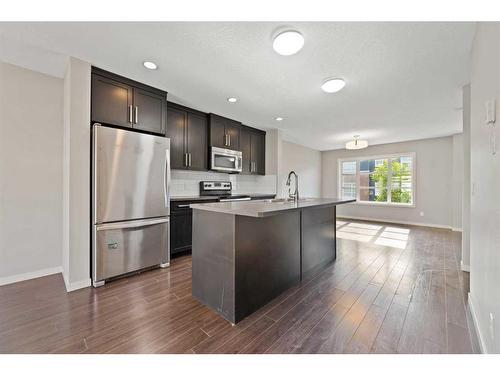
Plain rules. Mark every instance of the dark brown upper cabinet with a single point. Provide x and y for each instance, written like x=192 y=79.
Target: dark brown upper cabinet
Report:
x=149 y=111
x=224 y=132
x=187 y=130
x=111 y=101
x=122 y=102
x=253 y=148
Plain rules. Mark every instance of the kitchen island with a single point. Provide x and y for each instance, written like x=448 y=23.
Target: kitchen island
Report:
x=247 y=253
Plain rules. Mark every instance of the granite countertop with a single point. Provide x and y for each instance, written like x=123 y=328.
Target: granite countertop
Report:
x=208 y=197
x=263 y=208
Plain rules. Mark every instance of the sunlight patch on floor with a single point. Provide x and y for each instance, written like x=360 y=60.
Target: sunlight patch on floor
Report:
x=353 y=236
x=381 y=235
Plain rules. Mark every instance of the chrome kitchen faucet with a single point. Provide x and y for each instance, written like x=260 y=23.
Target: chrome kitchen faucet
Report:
x=295 y=195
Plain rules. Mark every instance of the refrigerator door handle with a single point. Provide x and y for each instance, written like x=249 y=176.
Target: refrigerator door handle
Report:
x=166 y=178
x=131 y=224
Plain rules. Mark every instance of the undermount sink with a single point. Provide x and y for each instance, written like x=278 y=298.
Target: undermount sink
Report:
x=287 y=200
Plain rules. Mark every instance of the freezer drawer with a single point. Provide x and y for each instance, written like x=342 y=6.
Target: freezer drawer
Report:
x=129 y=246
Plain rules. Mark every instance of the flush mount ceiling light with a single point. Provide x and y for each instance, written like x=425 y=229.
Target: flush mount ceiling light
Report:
x=279 y=118
x=356 y=144
x=232 y=100
x=150 y=65
x=288 y=42
x=332 y=85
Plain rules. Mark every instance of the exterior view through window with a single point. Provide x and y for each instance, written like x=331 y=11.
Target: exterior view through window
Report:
x=382 y=180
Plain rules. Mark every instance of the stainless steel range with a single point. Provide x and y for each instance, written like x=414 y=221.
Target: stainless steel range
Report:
x=222 y=190
x=130 y=196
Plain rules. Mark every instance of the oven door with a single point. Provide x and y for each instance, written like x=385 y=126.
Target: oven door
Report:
x=225 y=160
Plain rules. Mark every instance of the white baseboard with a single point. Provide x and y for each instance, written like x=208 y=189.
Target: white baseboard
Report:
x=77 y=284
x=29 y=275
x=464 y=267
x=440 y=226
x=456 y=229
x=473 y=310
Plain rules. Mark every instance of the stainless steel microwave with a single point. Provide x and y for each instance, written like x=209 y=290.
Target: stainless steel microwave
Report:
x=224 y=160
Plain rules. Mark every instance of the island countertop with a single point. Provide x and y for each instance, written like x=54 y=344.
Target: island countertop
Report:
x=270 y=207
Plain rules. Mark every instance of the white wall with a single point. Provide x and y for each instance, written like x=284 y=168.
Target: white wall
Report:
x=306 y=162
x=457 y=181
x=31 y=107
x=76 y=174
x=465 y=261
x=485 y=179
x=433 y=182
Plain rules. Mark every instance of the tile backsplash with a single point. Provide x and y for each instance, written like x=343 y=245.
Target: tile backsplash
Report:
x=186 y=183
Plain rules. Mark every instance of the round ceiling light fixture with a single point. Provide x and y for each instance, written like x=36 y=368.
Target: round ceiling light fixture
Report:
x=279 y=118
x=150 y=65
x=356 y=144
x=232 y=100
x=288 y=42
x=332 y=85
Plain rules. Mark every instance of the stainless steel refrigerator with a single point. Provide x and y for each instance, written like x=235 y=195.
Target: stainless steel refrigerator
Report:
x=130 y=202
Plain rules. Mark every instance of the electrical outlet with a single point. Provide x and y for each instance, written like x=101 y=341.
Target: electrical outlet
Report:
x=421 y=213
x=490 y=117
x=492 y=326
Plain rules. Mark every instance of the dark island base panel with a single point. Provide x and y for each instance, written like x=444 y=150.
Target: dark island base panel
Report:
x=241 y=263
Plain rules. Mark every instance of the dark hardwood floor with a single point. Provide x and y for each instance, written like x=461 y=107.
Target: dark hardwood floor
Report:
x=393 y=289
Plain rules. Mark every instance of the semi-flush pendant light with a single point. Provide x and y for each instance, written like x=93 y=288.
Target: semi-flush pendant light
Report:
x=356 y=144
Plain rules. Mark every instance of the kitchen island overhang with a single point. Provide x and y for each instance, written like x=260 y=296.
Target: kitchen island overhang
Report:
x=245 y=254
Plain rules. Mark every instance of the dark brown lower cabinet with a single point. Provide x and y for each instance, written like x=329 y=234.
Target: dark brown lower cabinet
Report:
x=181 y=227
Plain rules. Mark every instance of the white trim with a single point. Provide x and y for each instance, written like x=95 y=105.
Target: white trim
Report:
x=464 y=267
x=473 y=311
x=395 y=221
x=382 y=204
x=456 y=229
x=77 y=284
x=357 y=159
x=30 y=275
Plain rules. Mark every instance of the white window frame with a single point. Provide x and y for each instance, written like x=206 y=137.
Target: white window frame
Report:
x=357 y=159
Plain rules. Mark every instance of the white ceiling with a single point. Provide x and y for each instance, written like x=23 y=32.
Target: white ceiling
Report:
x=403 y=79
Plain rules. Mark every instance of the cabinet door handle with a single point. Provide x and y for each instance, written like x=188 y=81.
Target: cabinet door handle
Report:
x=136 y=114
x=183 y=205
x=189 y=158
x=225 y=139
x=186 y=159
x=130 y=113
x=229 y=135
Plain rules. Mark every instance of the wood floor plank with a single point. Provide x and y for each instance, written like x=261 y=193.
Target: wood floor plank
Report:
x=305 y=322
x=339 y=339
x=390 y=331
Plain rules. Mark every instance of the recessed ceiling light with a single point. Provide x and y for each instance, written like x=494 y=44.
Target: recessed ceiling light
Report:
x=332 y=85
x=288 y=42
x=279 y=119
x=150 y=65
x=232 y=100
x=356 y=144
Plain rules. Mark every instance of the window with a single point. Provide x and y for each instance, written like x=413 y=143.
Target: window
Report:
x=378 y=179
